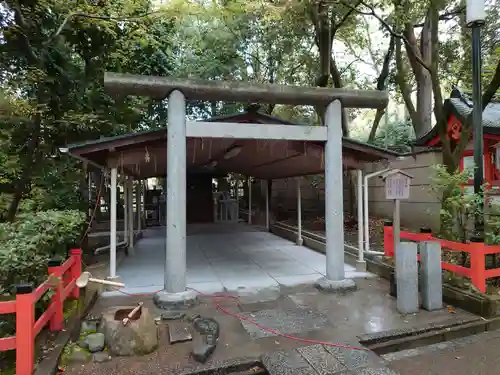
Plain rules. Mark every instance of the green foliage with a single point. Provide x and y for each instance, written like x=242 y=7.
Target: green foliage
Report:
x=395 y=134
x=458 y=208
x=27 y=244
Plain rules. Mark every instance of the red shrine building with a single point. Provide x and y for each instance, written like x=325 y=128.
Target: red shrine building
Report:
x=457 y=108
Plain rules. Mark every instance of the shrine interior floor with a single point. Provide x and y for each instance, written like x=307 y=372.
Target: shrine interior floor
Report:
x=225 y=257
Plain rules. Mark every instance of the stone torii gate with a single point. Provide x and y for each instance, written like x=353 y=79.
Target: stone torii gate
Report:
x=180 y=90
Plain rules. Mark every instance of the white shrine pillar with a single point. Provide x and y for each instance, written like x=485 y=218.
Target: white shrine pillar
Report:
x=300 y=241
x=175 y=292
x=334 y=211
x=112 y=224
x=237 y=197
x=138 y=204
x=266 y=185
x=360 y=263
x=125 y=211
x=130 y=209
x=249 y=181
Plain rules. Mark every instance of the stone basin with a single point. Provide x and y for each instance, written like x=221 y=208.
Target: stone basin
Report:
x=138 y=337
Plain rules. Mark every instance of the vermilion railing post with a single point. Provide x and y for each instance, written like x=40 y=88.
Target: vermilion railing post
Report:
x=388 y=239
x=76 y=270
x=478 y=264
x=25 y=331
x=57 y=319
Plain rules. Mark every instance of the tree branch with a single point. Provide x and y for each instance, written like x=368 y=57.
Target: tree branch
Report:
x=336 y=25
x=492 y=88
x=70 y=16
x=33 y=58
x=381 y=85
x=403 y=86
x=447 y=16
x=389 y=29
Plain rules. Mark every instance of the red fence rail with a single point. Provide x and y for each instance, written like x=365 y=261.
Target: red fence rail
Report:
x=27 y=328
x=477 y=271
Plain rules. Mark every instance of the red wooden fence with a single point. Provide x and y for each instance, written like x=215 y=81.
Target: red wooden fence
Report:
x=477 y=271
x=27 y=328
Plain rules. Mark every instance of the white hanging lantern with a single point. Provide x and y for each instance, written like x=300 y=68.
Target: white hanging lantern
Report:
x=476 y=12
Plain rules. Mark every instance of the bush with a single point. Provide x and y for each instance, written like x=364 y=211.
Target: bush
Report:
x=457 y=209
x=27 y=244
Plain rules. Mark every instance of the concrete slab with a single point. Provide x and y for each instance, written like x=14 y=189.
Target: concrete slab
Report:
x=286 y=321
x=225 y=257
x=320 y=360
x=179 y=332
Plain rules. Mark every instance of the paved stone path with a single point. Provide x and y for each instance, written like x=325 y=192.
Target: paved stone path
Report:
x=325 y=360
x=471 y=355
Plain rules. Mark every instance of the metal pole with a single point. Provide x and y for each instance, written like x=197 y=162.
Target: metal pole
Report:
x=477 y=122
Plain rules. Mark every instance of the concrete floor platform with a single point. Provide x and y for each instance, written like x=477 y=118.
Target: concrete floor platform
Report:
x=226 y=257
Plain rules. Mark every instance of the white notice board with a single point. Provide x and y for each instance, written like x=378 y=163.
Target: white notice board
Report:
x=397 y=186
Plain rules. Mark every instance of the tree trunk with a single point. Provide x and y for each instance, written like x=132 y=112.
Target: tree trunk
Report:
x=424 y=82
x=30 y=160
x=376 y=122
x=381 y=85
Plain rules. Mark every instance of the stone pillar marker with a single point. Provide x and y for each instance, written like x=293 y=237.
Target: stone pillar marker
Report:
x=174 y=292
x=432 y=279
x=407 y=277
x=334 y=211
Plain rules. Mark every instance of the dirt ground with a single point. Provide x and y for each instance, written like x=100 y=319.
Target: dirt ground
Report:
x=302 y=312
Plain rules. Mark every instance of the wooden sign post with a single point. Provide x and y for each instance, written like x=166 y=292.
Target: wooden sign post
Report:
x=397 y=187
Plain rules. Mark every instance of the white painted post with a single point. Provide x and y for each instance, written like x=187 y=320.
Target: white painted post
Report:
x=90 y=193
x=131 y=216
x=125 y=210
x=175 y=266
x=300 y=241
x=112 y=224
x=396 y=224
x=360 y=264
x=138 y=205
x=237 y=208
x=266 y=185
x=334 y=210
x=249 y=200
